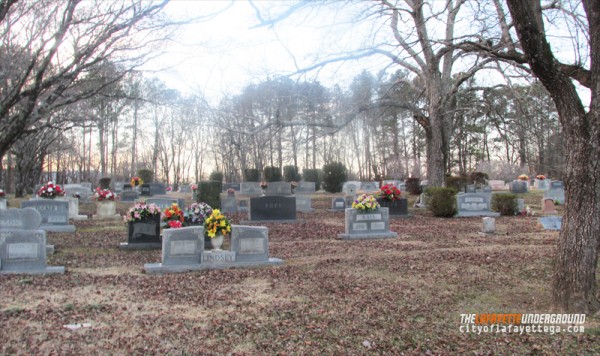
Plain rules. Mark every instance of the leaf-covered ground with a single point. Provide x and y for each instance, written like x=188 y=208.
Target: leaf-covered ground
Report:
x=397 y=296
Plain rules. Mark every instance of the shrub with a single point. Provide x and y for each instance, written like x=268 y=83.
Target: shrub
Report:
x=457 y=183
x=505 y=203
x=314 y=175
x=104 y=183
x=291 y=173
x=441 y=201
x=272 y=174
x=413 y=186
x=334 y=176
x=216 y=176
x=478 y=177
x=146 y=174
x=251 y=175
x=209 y=192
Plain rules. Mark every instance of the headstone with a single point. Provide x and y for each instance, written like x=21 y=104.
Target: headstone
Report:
x=158 y=189
x=3 y=204
x=229 y=204
x=118 y=187
x=369 y=187
x=243 y=205
x=145 y=190
x=185 y=189
x=106 y=210
x=489 y=225
x=367 y=225
x=143 y=235
x=273 y=209
x=421 y=202
x=474 y=204
x=471 y=189
x=250 y=188
x=23 y=247
x=183 y=250
x=548 y=207
x=351 y=188
x=497 y=184
x=486 y=189
x=338 y=203
x=305 y=188
x=129 y=195
x=279 y=188
x=518 y=187
x=73 y=208
x=164 y=203
x=127 y=187
x=304 y=203
x=234 y=186
x=87 y=185
x=551 y=222
x=83 y=192
x=55 y=214
x=521 y=204
x=541 y=184
x=556 y=192
x=397 y=207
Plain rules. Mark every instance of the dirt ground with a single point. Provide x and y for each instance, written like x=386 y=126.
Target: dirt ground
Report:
x=395 y=296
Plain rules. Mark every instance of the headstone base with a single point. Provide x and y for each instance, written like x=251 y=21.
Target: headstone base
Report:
x=551 y=222
x=158 y=268
x=47 y=270
x=250 y=222
x=141 y=246
x=58 y=228
x=370 y=236
x=466 y=214
x=78 y=217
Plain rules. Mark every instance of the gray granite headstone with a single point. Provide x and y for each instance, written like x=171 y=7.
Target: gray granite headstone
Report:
x=234 y=186
x=243 y=205
x=338 y=203
x=556 y=192
x=118 y=187
x=272 y=208
x=55 y=214
x=305 y=188
x=304 y=203
x=250 y=243
x=279 y=188
x=229 y=204
x=87 y=185
x=518 y=187
x=73 y=207
x=551 y=222
x=129 y=195
x=367 y=225
x=541 y=184
x=351 y=188
x=250 y=188
x=185 y=188
x=158 y=188
x=369 y=186
x=22 y=244
x=470 y=189
x=164 y=203
x=474 y=204
x=521 y=204
x=486 y=189
x=557 y=184
x=127 y=187
x=145 y=190
x=183 y=246
x=72 y=190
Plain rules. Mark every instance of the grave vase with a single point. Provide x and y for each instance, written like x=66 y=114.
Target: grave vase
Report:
x=217 y=241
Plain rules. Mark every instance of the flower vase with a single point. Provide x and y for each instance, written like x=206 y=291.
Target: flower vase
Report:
x=264 y=191
x=293 y=191
x=217 y=241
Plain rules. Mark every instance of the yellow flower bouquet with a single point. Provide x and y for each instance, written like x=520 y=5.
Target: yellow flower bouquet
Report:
x=217 y=223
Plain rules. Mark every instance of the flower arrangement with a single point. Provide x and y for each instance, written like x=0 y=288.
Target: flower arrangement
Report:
x=50 y=191
x=263 y=185
x=173 y=216
x=194 y=187
x=216 y=223
x=523 y=177
x=104 y=194
x=141 y=211
x=2 y=194
x=230 y=191
x=540 y=177
x=196 y=213
x=294 y=184
x=366 y=203
x=169 y=189
x=135 y=181
x=389 y=192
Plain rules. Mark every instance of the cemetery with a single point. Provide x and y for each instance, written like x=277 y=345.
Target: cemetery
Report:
x=299 y=177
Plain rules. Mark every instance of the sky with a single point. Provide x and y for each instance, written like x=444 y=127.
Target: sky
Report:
x=223 y=54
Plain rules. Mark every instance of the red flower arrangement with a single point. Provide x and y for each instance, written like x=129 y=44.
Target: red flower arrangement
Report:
x=173 y=216
x=194 y=187
x=2 y=194
x=50 y=191
x=104 y=194
x=540 y=177
x=389 y=192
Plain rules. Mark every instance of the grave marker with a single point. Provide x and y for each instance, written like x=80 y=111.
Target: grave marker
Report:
x=55 y=214
x=367 y=225
x=474 y=204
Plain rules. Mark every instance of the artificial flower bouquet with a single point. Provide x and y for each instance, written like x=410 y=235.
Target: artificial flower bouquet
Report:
x=50 y=191
x=216 y=224
x=365 y=203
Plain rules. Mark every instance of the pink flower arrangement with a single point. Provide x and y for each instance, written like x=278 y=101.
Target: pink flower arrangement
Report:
x=194 y=187
x=141 y=211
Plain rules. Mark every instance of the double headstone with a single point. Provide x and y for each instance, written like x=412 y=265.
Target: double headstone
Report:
x=234 y=186
x=183 y=250
x=305 y=188
x=23 y=244
x=129 y=195
x=518 y=187
x=185 y=189
x=55 y=214
x=273 y=209
x=367 y=225
x=279 y=188
x=541 y=184
x=474 y=204
x=78 y=190
x=369 y=187
x=250 y=188
x=497 y=184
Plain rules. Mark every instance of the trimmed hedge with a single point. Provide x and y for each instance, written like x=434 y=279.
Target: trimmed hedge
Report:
x=147 y=175
x=272 y=174
x=334 y=176
x=314 y=175
x=251 y=175
x=413 y=186
x=216 y=176
x=104 y=183
x=505 y=203
x=441 y=201
x=209 y=192
x=458 y=183
x=478 y=177
x=291 y=173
